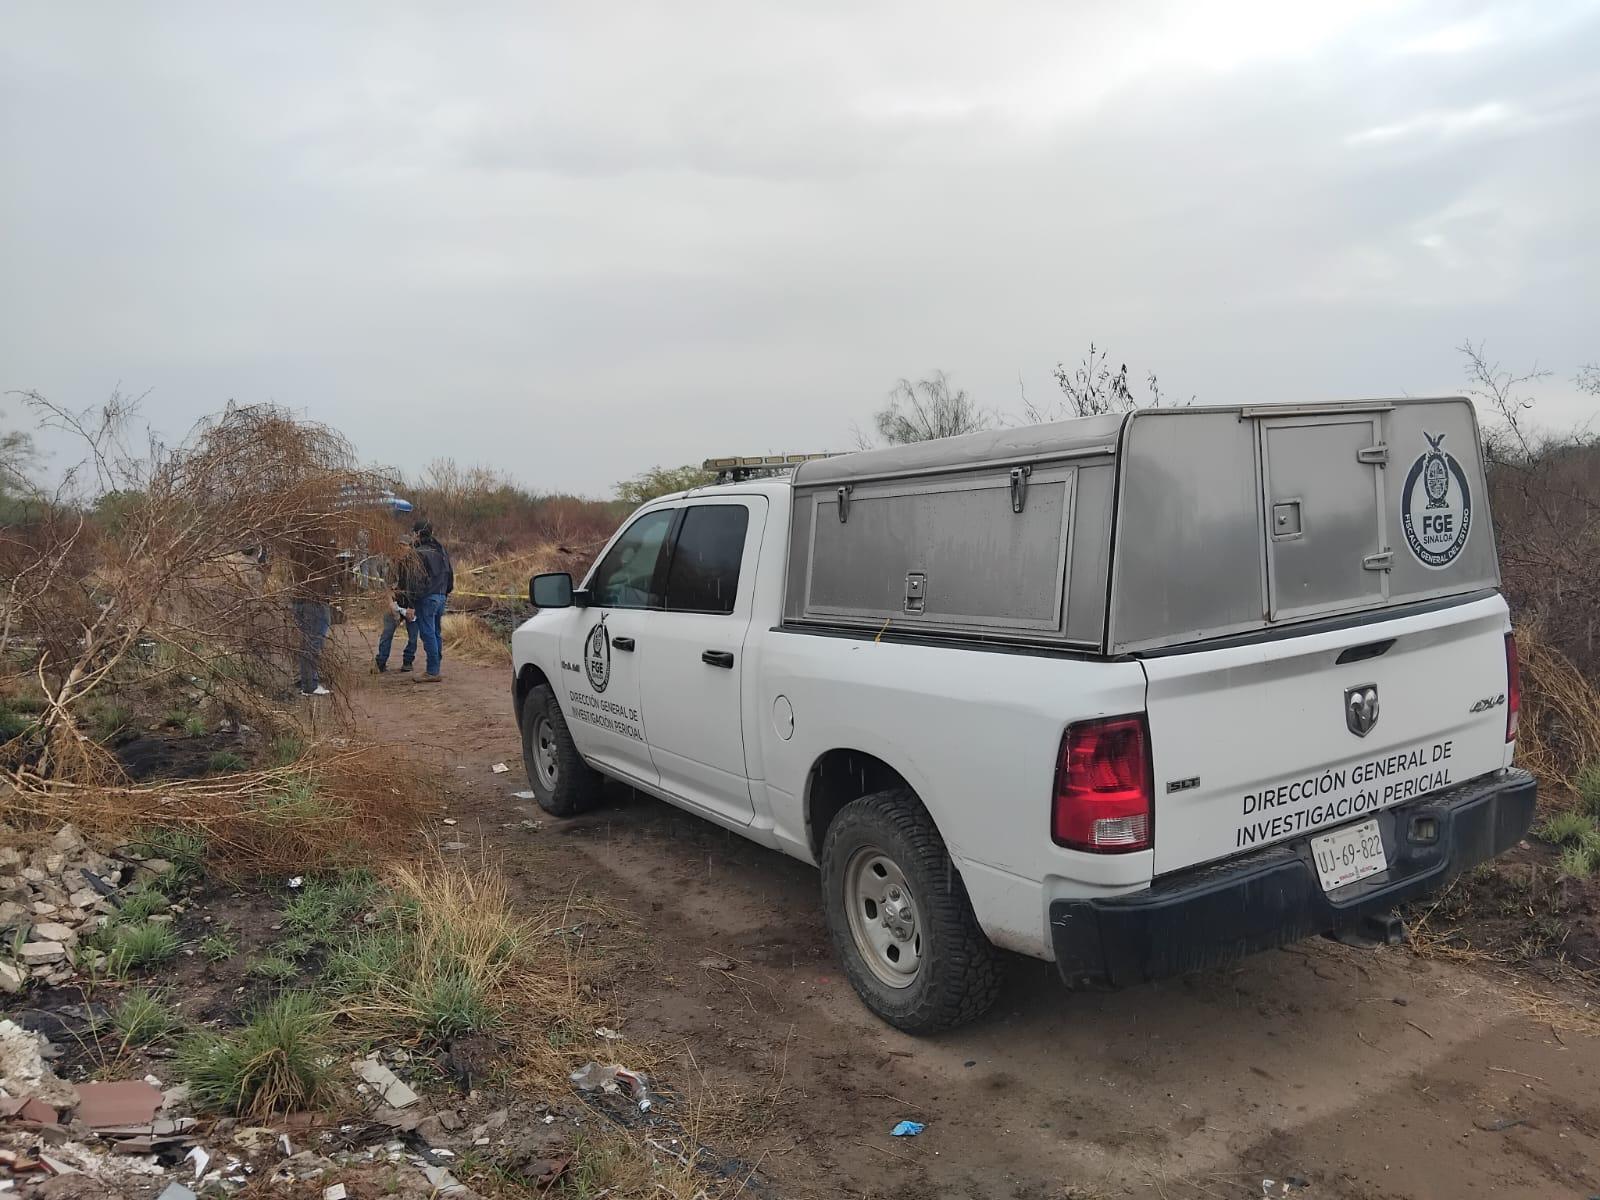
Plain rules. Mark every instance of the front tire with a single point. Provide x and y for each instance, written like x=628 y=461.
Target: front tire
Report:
x=899 y=917
x=562 y=783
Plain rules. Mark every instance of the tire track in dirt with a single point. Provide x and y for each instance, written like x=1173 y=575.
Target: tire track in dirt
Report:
x=1301 y=1063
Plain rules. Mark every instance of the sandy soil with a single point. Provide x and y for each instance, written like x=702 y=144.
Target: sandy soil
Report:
x=1331 y=1071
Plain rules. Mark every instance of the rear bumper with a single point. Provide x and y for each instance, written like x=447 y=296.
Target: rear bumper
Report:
x=1220 y=913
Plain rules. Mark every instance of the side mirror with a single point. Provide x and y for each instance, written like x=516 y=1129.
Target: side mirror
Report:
x=552 y=590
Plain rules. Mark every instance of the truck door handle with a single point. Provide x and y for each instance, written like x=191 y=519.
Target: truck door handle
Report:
x=717 y=658
x=622 y=643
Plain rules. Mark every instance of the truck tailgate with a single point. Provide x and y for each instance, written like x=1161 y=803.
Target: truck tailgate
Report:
x=1253 y=744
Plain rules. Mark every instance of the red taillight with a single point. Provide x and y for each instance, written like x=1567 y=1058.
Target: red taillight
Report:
x=1103 y=794
x=1513 y=687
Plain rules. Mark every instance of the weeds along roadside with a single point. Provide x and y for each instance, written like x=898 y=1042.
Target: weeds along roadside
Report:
x=383 y=943
x=432 y=955
x=330 y=806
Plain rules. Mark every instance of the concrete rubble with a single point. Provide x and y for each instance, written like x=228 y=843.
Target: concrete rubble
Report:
x=52 y=897
x=136 y=1139
x=141 y=1139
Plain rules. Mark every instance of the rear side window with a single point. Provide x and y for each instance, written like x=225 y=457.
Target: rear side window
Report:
x=625 y=576
x=704 y=575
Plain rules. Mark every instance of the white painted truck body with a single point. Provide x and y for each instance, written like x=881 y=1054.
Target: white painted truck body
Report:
x=1251 y=752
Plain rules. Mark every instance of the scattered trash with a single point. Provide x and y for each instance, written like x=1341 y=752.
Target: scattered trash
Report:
x=1498 y=1125
x=385 y=1082
x=1282 y=1187
x=443 y=1183
x=201 y=1160
x=335 y=1191
x=610 y=1035
x=122 y=1104
x=31 y=1109
x=499 y=768
x=614 y=1080
x=449 y=820
x=907 y=1129
x=296 y=881
x=523 y=796
x=715 y=963
x=176 y=1191
x=22 y=1067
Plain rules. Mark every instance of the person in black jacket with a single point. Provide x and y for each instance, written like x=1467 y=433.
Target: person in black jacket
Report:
x=436 y=579
x=402 y=608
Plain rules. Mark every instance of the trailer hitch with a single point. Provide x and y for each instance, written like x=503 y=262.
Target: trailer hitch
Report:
x=1372 y=931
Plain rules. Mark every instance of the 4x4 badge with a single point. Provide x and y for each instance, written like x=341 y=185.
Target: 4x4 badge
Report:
x=1361 y=708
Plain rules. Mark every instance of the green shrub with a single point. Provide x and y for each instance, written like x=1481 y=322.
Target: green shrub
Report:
x=224 y=761
x=323 y=909
x=451 y=1004
x=183 y=848
x=286 y=749
x=107 y=719
x=219 y=947
x=296 y=947
x=195 y=726
x=280 y=1061
x=141 y=946
x=1566 y=828
x=365 y=959
x=274 y=968
x=1577 y=862
x=139 y=905
x=11 y=722
x=141 y=1019
x=1587 y=786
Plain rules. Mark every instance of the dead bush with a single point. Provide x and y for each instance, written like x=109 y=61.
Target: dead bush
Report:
x=330 y=808
x=1558 y=732
x=153 y=561
x=470 y=638
x=484 y=516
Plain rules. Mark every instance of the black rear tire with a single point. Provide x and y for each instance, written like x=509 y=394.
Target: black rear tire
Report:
x=958 y=976
x=562 y=783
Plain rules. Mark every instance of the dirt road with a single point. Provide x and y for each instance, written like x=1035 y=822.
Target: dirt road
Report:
x=1331 y=1071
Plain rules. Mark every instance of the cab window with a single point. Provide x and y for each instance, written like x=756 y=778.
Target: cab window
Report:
x=704 y=575
x=625 y=577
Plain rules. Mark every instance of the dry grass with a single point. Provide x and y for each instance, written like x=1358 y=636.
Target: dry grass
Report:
x=1559 y=728
x=333 y=807
x=508 y=575
x=470 y=639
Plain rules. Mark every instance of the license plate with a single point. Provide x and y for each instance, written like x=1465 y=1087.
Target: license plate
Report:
x=1349 y=854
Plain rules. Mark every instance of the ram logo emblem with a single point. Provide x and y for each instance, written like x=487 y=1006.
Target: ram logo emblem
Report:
x=1361 y=708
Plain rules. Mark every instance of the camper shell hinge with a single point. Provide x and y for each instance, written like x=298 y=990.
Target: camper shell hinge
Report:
x=1019 y=487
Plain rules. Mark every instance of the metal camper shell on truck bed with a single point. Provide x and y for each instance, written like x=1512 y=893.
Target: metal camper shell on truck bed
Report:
x=1128 y=533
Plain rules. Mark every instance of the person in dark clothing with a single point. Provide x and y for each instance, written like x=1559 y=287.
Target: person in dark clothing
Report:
x=403 y=603
x=436 y=580
x=314 y=572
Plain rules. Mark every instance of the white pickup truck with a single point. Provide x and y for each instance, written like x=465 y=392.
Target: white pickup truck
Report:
x=1136 y=694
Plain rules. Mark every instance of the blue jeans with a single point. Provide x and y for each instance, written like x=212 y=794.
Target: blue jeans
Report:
x=430 y=613
x=386 y=640
x=312 y=618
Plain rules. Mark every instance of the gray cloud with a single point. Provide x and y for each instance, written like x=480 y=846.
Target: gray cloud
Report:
x=571 y=241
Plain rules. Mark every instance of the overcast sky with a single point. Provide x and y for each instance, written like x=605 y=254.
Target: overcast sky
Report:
x=571 y=241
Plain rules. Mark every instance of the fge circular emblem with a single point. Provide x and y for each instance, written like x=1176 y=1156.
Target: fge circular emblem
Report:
x=1436 y=506
x=597 y=657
